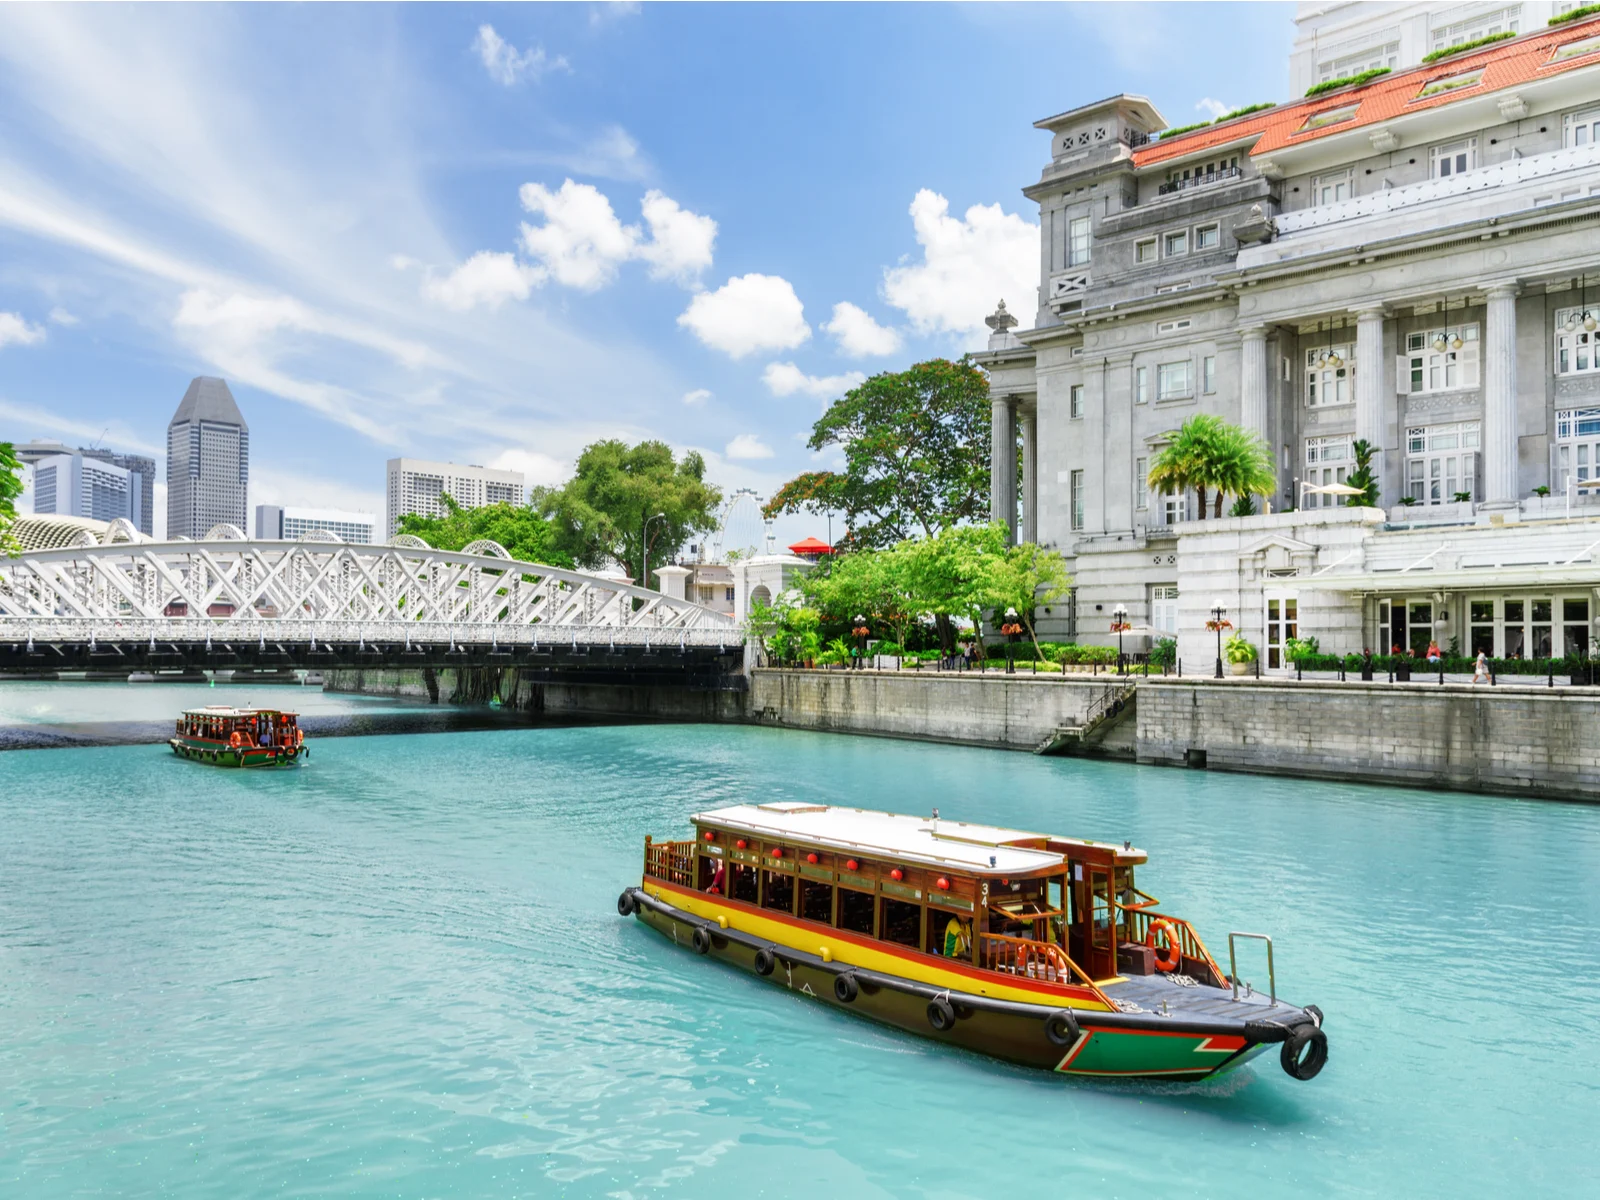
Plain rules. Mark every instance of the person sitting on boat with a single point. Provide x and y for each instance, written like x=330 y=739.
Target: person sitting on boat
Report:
x=266 y=735
x=716 y=880
x=957 y=938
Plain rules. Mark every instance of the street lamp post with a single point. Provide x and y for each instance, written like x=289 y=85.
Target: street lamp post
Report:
x=644 y=548
x=1012 y=630
x=1119 y=622
x=1219 y=622
x=860 y=632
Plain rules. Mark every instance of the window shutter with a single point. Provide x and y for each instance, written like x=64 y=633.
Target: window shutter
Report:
x=1402 y=375
x=1469 y=363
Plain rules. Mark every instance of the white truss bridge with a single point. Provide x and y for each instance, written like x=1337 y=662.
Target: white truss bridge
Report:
x=319 y=589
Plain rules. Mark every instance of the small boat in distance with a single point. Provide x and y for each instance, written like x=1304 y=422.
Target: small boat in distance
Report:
x=1029 y=947
x=239 y=737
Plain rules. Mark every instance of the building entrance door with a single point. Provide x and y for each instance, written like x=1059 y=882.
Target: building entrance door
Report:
x=1282 y=622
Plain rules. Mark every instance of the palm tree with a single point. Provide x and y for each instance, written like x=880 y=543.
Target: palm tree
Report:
x=1186 y=461
x=1241 y=464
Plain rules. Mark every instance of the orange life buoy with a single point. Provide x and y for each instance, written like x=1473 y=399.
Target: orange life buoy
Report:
x=1174 y=958
x=235 y=741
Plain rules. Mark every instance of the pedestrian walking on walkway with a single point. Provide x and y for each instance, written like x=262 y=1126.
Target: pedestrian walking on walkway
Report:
x=1480 y=669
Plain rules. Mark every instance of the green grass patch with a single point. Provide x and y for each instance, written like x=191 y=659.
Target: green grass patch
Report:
x=1450 y=51
x=1333 y=85
x=1576 y=14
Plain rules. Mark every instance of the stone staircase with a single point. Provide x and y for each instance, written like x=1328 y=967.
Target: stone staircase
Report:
x=1107 y=730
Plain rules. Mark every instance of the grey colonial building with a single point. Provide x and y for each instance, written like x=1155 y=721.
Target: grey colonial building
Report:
x=1414 y=262
x=208 y=461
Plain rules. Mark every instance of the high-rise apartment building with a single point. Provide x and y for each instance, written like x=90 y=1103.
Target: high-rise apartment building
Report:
x=418 y=486
x=208 y=461
x=74 y=489
x=275 y=522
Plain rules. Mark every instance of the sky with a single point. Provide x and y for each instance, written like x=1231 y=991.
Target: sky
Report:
x=496 y=233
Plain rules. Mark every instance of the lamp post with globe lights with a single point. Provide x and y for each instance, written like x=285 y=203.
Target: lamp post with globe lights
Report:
x=1219 y=621
x=1119 y=626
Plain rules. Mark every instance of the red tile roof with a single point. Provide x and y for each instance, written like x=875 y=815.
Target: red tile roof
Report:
x=1506 y=64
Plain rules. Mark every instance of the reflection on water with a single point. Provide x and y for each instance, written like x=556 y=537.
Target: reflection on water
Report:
x=398 y=971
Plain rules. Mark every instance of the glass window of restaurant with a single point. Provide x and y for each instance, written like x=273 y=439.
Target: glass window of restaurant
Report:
x=1576 y=453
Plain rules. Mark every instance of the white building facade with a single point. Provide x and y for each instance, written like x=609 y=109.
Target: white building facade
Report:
x=76 y=485
x=1414 y=262
x=417 y=486
x=275 y=522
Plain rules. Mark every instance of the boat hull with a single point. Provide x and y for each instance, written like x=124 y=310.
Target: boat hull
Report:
x=1010 y=1020
x=219 y=754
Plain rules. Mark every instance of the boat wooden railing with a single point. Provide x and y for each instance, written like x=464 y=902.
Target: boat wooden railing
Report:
x=1033 y=960
x=672 y=861
x=1140 y=916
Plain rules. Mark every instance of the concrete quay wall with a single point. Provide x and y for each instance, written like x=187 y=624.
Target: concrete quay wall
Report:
x=1510 y=740
x=1014 y=712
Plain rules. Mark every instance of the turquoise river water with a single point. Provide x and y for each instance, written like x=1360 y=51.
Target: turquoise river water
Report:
x=398 y=971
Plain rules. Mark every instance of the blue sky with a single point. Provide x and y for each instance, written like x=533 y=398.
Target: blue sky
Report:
x=495 y=233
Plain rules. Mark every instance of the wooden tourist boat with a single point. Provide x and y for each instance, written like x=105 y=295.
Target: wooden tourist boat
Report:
x=1029 y=947
x=239 y=737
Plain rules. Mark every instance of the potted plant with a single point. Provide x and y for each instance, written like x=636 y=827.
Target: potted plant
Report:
x=1239 y=653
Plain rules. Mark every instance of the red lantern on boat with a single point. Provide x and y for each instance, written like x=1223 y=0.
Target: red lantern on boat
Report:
x=710 y=837
x=851 y=864
x=742 y=844
x=943 y=884
x=812 y=859
x=777 y=852
x=897 y=874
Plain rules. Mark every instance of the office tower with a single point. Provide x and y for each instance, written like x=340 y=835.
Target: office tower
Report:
x=417 y=486
x=208 y=461
x=276 y=522
x=139 y=486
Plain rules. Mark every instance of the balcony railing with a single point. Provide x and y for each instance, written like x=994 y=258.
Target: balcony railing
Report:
x=1206 y=180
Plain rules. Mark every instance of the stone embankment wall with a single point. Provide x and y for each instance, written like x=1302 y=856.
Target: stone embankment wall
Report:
x=975 y=709
x=1517 y=740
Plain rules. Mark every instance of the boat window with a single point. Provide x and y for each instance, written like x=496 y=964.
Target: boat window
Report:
x=947 y=931
x=712 y=873
x=816 y=901
x=902 y=922
x=855 y=911
x=743 y=886
x=777 y=891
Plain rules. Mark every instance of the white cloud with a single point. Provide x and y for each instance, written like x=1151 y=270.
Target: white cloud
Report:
x=487 y=278
x=537 y=469
x=968 y=264
x=1212 y=108
x=748 y=314
x=15 y=331
x=612 y=10
x=582 y=243
x=62 y=317
x=506 y=64
x=858 y=335
x=748 y=445
x=30 y=422
x=786 y=379
x=697 y=397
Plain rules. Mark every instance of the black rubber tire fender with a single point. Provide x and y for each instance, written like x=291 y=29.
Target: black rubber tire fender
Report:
x=626 y=905
x=766 y=961
x=845 y=988
x=1305 y=1052
x=940 y=1015
x=1062 y=1029
x=701 y=940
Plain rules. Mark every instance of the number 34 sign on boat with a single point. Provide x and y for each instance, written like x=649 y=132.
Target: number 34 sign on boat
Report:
x=1029 y=947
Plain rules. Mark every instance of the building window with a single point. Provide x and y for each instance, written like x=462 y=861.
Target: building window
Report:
x=1330 y=189
x=1141 y=483
x=1177 y=243
x=1145 y=251
x=1078 y=242
x=1173 y=380
x=1077 y=500
x=1174 y=506
x=1173 y=326
x=1208 y=374
x=1327 y=384
x=1576 y=343
x=1164 y=609
x=1440 y=360
x=1453 y=159
x=1576 y=49
x=1386 y=54
x=1328 y=461
x=1450 y=83
x=1075 y=393
x=1442 y=462
x=1141 y=385
x=1499 y=20
x=1577 y=449
x=1207 y=237
x=1328 y=116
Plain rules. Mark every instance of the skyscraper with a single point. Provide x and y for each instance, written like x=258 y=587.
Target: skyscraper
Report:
x=417 y=486
x=54 y=492
x=208 y=461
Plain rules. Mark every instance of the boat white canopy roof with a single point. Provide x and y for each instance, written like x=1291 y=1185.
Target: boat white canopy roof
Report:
x=228 y=710
x=936 y=842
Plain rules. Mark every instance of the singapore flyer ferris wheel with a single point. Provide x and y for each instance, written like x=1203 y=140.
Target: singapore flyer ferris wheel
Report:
x=741 y=529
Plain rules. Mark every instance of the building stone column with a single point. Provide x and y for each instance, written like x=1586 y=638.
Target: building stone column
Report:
x=1003 y=464
x=1369 y=375
x=1254 y=384
x=1029 y=418
x=1500 y=396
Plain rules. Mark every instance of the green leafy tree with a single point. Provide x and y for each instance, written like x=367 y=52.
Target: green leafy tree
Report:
x=1025 y=577
x=1240 y=465
x=1210 y=455
x=916 y=447
x=871 y=583
x=1181 y=463
x=522 y=531
x=599 y=515
x=952 y=574
x=10 y=489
